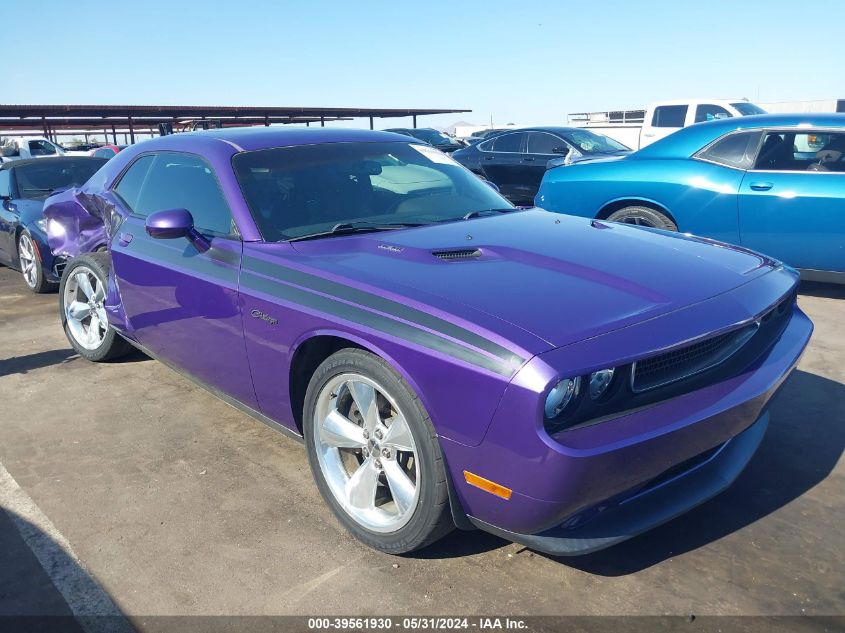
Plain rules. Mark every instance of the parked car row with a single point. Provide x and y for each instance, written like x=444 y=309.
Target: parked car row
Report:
x=21 y=148
x=516 y=160
x=447 y=358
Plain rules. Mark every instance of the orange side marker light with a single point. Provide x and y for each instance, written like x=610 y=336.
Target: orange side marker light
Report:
x=487 y=486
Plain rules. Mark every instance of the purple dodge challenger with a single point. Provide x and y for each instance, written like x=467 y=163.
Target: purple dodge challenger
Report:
x=448 y=359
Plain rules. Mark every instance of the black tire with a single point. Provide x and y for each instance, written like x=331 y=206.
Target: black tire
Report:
x=431 y=518
x=40 y=284
x=643 y=216
x=112 y=345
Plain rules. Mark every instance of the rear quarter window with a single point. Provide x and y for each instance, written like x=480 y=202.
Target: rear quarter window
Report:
x=735 y=150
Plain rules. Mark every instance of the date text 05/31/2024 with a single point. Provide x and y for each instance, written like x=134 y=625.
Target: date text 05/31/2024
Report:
x=416 y=623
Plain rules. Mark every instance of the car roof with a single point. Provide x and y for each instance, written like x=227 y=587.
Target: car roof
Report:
x=690 y=139
x=46 y=160
x=245 y=139
x=560 y=129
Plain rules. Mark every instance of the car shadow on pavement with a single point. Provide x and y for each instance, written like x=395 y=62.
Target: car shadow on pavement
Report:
x=802 y=445
x=29 y=599
x=39 y=360
x=824 y=291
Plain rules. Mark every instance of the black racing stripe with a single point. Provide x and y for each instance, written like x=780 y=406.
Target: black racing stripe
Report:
x=381 y=304
x=215 y=263
x=375 y=321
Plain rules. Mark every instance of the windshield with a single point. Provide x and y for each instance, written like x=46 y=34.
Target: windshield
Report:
x=310 y=189
x=40 y=178
x=591 y=143
x=432 y=137
x=746 y=109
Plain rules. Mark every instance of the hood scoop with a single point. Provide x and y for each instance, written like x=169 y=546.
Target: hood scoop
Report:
x=458 y=254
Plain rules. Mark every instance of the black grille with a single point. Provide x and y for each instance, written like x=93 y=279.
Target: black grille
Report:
x=690 y=360
x=464 y=253
x=59 y=267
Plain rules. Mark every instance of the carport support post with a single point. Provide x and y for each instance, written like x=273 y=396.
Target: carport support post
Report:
x=114 y=134
x=131 y=132
x=266 y=121
x=415 y=121
x=44 y=125
x=322 y=121
x=371 y=123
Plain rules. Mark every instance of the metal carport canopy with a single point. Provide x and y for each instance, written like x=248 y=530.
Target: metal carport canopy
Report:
x=42 y=116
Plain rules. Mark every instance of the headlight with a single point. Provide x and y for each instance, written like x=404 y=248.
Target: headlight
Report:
x=560 y=396
x=599 y=382
x=41 y=223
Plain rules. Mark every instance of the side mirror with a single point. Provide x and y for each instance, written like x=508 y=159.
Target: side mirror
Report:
x=492 y=185
x=174 y=223
x=170 y=224
x=562 y=150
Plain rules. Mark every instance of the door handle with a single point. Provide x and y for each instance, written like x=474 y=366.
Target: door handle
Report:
x=489 y=157
x=528 y=159
x=760 y=186
x=125 y=238
x=648 y=134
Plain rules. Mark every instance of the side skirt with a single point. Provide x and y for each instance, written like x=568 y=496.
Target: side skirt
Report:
x=823 y=276
x=237 y=404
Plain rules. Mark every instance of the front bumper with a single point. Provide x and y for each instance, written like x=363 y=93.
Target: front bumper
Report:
x=590 y=487
x=650 y=507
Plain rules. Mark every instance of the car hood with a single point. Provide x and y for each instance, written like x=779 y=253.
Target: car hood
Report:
x=560 y=278
x=28 y=209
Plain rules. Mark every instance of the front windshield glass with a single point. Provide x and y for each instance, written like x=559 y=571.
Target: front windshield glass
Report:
x=40 y=178
x=309 y=189
x=591 y=143
x=432 y=137
x=747 y=109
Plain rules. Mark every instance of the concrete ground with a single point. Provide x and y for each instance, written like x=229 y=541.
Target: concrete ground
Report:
x=175 y=503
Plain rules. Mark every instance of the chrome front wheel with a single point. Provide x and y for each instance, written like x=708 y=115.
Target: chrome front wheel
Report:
x=366 y=452
x=29 y=263
x=83 y=300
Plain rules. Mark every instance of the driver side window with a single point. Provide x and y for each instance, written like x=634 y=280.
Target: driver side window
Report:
x=41 y=148
x=171 y=180
x=507 y=142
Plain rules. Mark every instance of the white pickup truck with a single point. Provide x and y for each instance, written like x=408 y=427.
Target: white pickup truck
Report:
x=20 y=147
x=638 y=128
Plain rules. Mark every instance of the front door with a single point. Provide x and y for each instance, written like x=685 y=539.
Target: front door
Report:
x=182 y=303
x=792 y=204
x=541 y=148
x=501 y=161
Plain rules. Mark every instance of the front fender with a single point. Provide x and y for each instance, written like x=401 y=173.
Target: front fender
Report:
x=78 y=222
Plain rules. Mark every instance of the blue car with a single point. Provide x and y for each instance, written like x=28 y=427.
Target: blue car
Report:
x=24 y=186
x=772 y=183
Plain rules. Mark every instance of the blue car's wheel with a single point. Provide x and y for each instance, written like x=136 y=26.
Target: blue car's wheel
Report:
x=374 y=453
x=643 y=216
x=30 y=262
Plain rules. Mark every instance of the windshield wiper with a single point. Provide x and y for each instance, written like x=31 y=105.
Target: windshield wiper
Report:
x=345 y=228
x=482 y=212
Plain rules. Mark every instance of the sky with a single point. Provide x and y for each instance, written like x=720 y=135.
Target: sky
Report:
x=525 y=62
